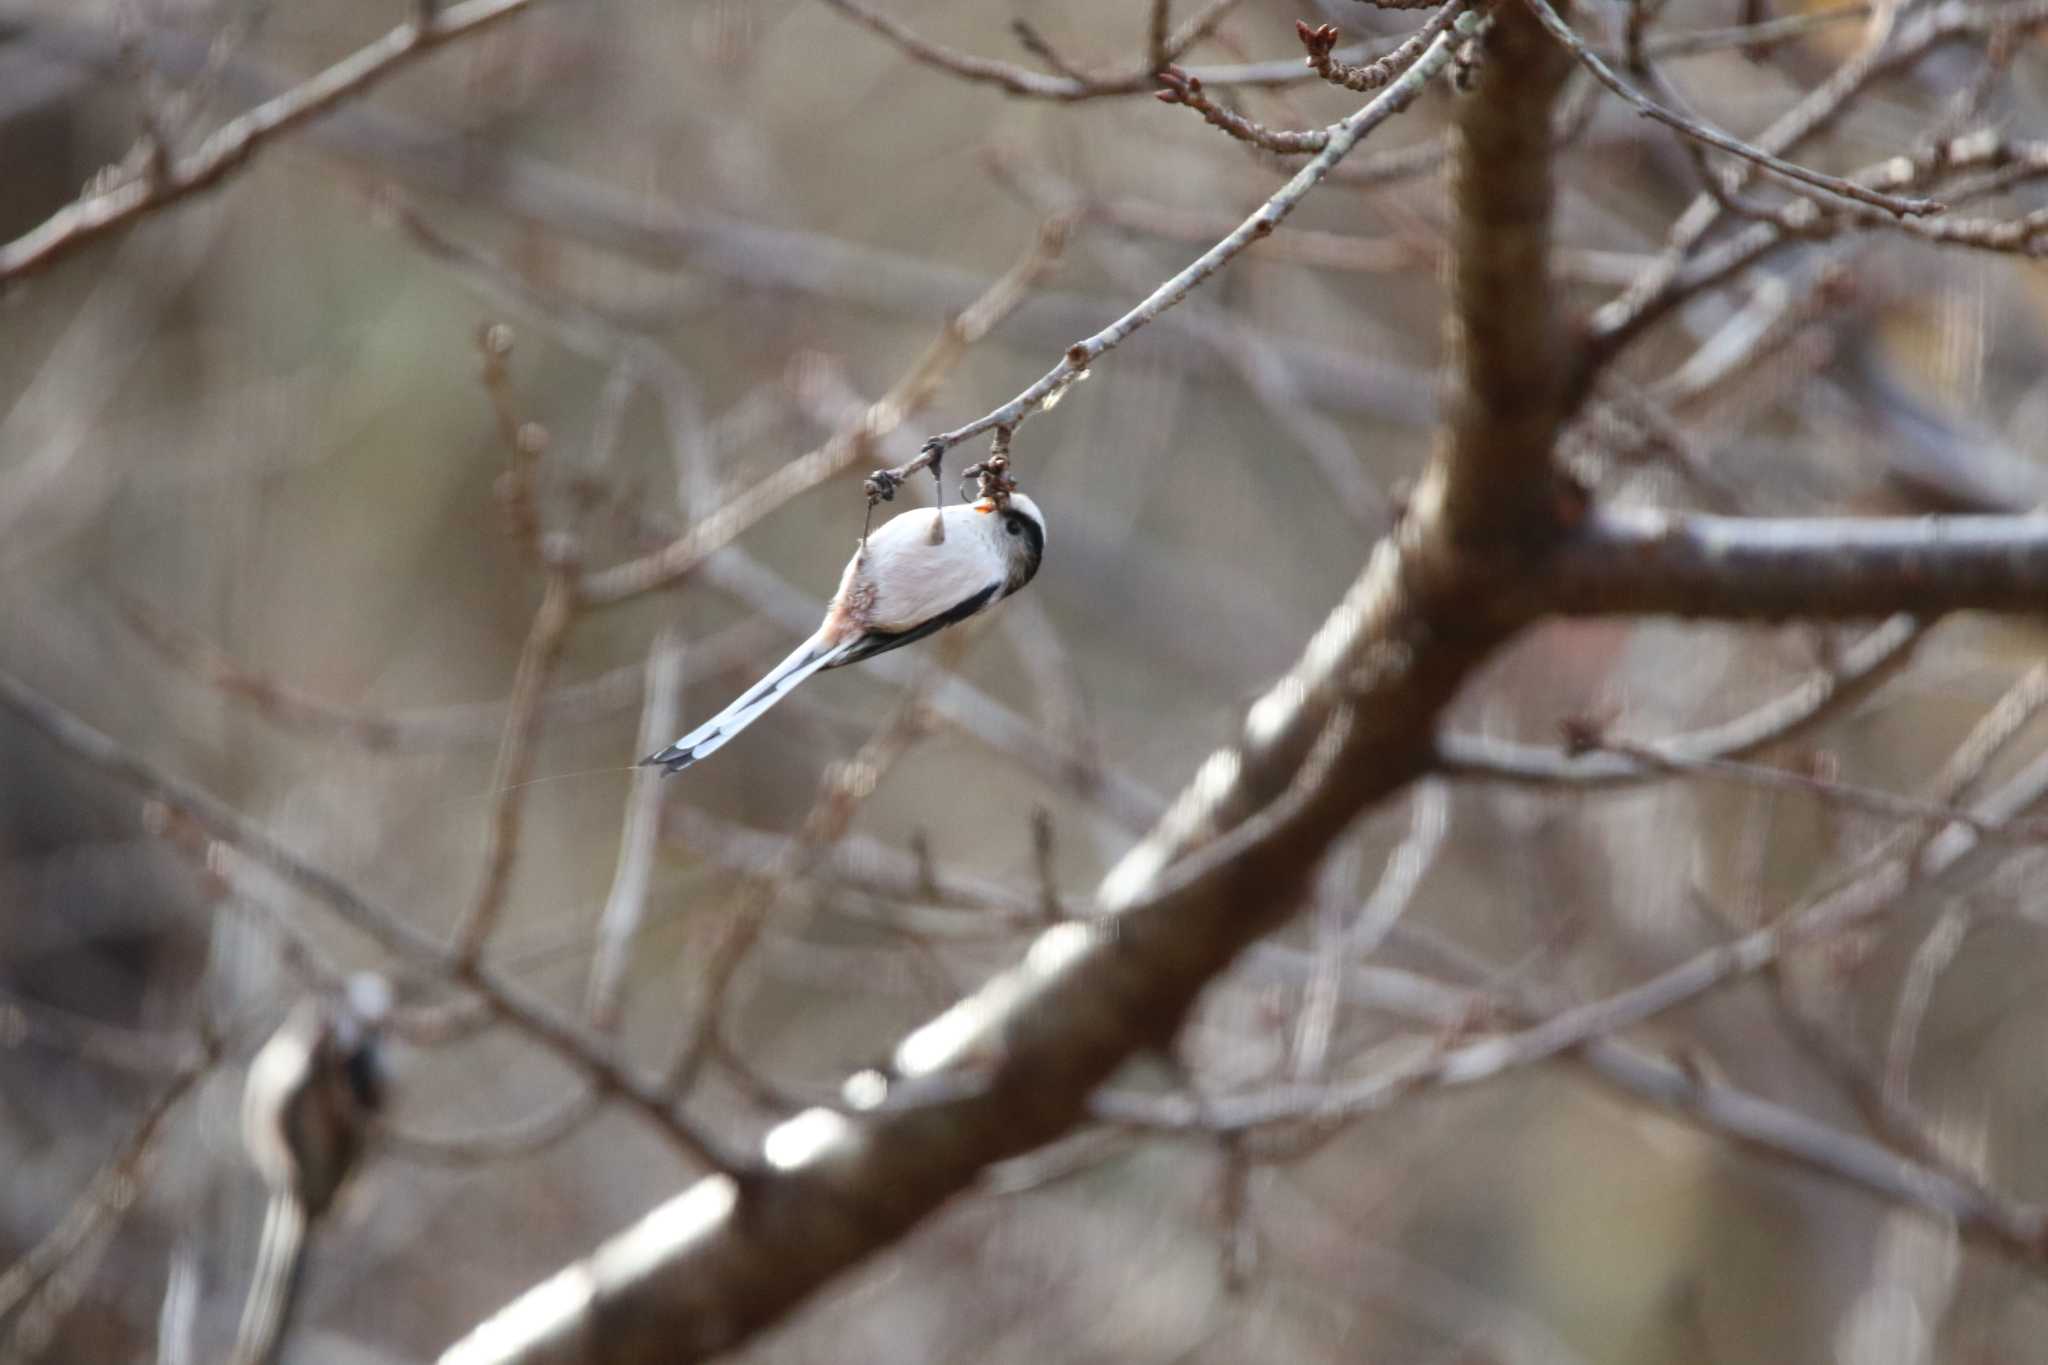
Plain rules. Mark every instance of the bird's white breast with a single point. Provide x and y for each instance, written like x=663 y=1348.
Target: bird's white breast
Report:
x=903 y=579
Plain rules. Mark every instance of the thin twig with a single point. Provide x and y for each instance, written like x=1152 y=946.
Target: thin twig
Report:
x=416 y=730
x=749 y=255
x=234 y=144
x=1692 y=128
x=1321 y=45
x=841 y=792
x=109 y=1195
x=23 y=1020
x=2019 y=1230
x=1073 y=366
x=670 y=564
x=1871 y=661
x=532 y=1015
x=1752 y=38
x=519 y=489
x=543 y=650
x=860 y=864
x=1928 y=814
x=1993 y=732
x=626 y=904
x=1826 y=915
x=1186 y=90
x=1406 y=866
x=1315 y=1018
x=518 y=1140
x=1069 y=83
x=1680 y=274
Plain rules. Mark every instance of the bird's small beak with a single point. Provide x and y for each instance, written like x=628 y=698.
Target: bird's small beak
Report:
x=985 y=506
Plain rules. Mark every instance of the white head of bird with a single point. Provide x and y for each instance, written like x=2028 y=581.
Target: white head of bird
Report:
x=918 y=573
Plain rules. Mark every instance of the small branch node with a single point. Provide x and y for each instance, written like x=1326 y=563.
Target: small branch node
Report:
x=1185 y=88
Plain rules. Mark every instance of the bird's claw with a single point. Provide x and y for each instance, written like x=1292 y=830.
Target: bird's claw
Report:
x=881 y=486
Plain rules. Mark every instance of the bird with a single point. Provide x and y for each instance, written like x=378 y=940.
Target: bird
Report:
x=920 y=572
x=312 y=1096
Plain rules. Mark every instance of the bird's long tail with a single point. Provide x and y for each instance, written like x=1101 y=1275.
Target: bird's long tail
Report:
x=810 y=656
x=280 y=1264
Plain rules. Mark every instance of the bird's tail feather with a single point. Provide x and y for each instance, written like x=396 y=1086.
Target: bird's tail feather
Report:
x=810 y=656
x=280 y=1264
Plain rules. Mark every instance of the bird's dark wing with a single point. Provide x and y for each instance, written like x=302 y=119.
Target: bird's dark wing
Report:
x=881 y=642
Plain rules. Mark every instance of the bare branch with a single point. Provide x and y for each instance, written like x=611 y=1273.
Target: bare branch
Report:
x=845 y=450
x=667 y=236
x=1321 y=44
x=1159 y=35
x=234 y=144
x=23 y=1020
x=410 y=730
x=1755 y=38
x=539 y=1020
x=1186 y=90
x=1342 y=138
x=1713 y=137
x=1678 y=275
x=110 y=1194
x=1165 y=46
x=1995 y=730
x=1859 y=670
x=515 y=1141
x=1070 y=85
x=626 y=904
x=858 y=864
x=841 y=791
x=1491 y=480
x=543 y=650
x=1787 y=1135
x=1930 y=1185
x=1771 y=569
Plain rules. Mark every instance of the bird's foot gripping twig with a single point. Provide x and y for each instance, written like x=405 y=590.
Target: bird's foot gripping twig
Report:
x=992 y=480
x=992 y=475
x=881 y=485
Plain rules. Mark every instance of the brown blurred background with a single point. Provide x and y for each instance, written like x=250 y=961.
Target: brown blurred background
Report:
x=245 y=454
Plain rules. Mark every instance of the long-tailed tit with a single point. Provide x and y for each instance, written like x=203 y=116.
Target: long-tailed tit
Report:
x=921 y=572
x=312 y=1093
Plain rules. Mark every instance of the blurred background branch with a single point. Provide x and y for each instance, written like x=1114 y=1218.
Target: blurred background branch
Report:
x=1620 y=446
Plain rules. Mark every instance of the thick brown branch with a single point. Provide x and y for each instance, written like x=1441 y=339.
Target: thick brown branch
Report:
x=1814 y=568
x=1504 y=403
